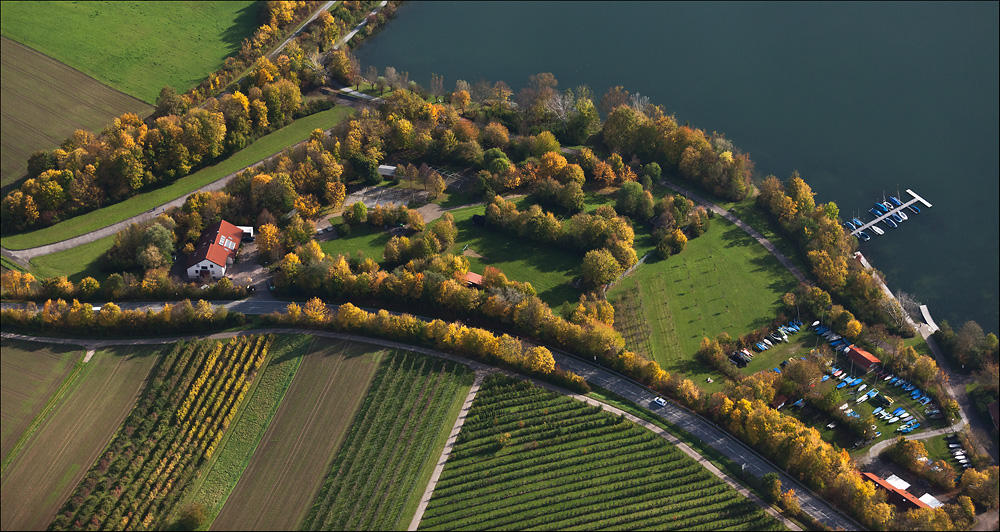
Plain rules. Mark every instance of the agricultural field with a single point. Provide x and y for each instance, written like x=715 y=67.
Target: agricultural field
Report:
x=264 y=147
x=31 y=374
x=72 y=437
x=135 y=47
x=723 y=281
x=287 y=469
x=531 y=459
x=182 y=415
x=224 y=470
x=381 y=471
x=45 y=101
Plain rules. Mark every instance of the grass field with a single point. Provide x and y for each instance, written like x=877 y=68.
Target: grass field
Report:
x=30 y=374
x=723 y=281
x=531 y=459
x=71 y=438
x=135 y=47
x=45 y=101
x=225 y=468
x=365 y=238
x=278 y=486
x=380 y=473
x=264 y=147
x=75 y=263
x=549 y=269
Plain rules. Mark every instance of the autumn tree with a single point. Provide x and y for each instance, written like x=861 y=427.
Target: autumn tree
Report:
x=269 y=243
x=600 y=267
x=540 y=360
x=460 y=99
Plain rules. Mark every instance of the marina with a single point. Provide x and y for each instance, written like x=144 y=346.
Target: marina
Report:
x=889 y=212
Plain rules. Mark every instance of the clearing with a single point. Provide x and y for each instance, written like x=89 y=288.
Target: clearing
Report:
x=45 y=101
x=135 y=47
x=531 y=459
x=71 y=438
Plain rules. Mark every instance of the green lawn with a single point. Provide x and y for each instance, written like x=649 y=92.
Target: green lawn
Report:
x=549 y=269
x=264 y=147
x=135 y=47
x=365 y=238
x=723 y=281
x=75 y=263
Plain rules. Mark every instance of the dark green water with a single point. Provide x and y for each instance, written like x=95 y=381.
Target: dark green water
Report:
x=860 y=98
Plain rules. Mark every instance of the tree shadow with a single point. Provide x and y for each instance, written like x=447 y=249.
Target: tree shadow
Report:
x=243 y=26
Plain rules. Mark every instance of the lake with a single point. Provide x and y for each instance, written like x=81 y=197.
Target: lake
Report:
x=863 y=99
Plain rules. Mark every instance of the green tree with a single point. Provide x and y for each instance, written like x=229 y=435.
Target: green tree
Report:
x=600 y=267
x=630 y=197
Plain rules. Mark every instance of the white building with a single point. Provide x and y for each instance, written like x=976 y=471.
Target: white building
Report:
x=215 y=251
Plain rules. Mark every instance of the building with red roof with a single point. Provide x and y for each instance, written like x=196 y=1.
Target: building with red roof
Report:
x=862 y=358
x=474 y=280
x=901 y=498
x=215 y=251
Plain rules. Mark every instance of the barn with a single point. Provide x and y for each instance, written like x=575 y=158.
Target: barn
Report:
x=215 y=251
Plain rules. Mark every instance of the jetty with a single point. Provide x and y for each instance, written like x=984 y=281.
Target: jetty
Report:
x=914 y=199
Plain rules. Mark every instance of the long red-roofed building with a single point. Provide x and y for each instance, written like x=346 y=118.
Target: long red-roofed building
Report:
x=215 y=251
x=862 y=358
x=901 y=498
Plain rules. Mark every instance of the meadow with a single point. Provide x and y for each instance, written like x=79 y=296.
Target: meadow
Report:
x=54 y=460
x=264 y=147
x=45 y=101
x=395 y=439
x=31 y=375
x=288 y=466
x=532 y=459
x=135 y=47
x=723 y=281
x=368 y=240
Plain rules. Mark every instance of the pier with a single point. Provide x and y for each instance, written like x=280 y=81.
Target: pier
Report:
x=915 y=198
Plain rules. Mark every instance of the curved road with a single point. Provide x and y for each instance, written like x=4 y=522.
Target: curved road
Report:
x=631 y=390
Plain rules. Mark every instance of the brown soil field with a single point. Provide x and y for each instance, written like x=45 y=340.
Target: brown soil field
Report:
x=278 y=486
x=30 y=373
x=44 y=101
x=55 y=458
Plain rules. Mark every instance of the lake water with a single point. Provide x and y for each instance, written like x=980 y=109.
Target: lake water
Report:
x=863 y=99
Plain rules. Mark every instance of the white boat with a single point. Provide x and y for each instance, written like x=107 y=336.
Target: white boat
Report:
x=843 y=406
x=878 y=230
x=863 y=398
x=862 y=388
x=893 y=420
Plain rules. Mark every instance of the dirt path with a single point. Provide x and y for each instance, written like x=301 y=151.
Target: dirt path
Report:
x=446 y=452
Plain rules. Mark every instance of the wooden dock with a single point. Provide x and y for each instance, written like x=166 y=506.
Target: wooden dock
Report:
x=915 y=198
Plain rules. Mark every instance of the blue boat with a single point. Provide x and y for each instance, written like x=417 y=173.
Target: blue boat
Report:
x=842 y=384
x=894 y=379
x=874 y=212
x=896 y=218
x=890 y=223
x=777 y=370
x=864 y=236
x=914 y=208
x=821 y=330
x=857 y=222
x=876 y=411
x=908 y=387
x=897 y=411
x=926 y=400
x=880 y=208
x=825 y=378
x=850 y=225
x=895 y=201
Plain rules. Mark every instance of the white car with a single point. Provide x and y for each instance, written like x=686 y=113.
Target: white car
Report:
x=660 y=401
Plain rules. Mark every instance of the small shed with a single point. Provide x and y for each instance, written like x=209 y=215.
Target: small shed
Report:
x=247 y=230
x=473 y=280
x=862 y=358
x=387 y=172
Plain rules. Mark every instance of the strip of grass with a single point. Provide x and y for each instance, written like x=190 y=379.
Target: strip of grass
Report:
x=529 y=459
x=365 y=238
x=374 y=477
x=723 y=281
x=136 y=47
x=75 y=263
x=239 y=444
x=264 y=147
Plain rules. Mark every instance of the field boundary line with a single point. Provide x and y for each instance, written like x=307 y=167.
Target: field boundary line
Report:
x=446 y=452
x=61 y=392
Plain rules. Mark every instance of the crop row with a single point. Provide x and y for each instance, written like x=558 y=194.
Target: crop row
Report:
x=178 y=422
x=387 y=445
x=573 y=468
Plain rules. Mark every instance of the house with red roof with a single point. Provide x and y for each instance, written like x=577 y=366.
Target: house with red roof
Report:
x=215 y=251
x=862 y=358
x=903 y=499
